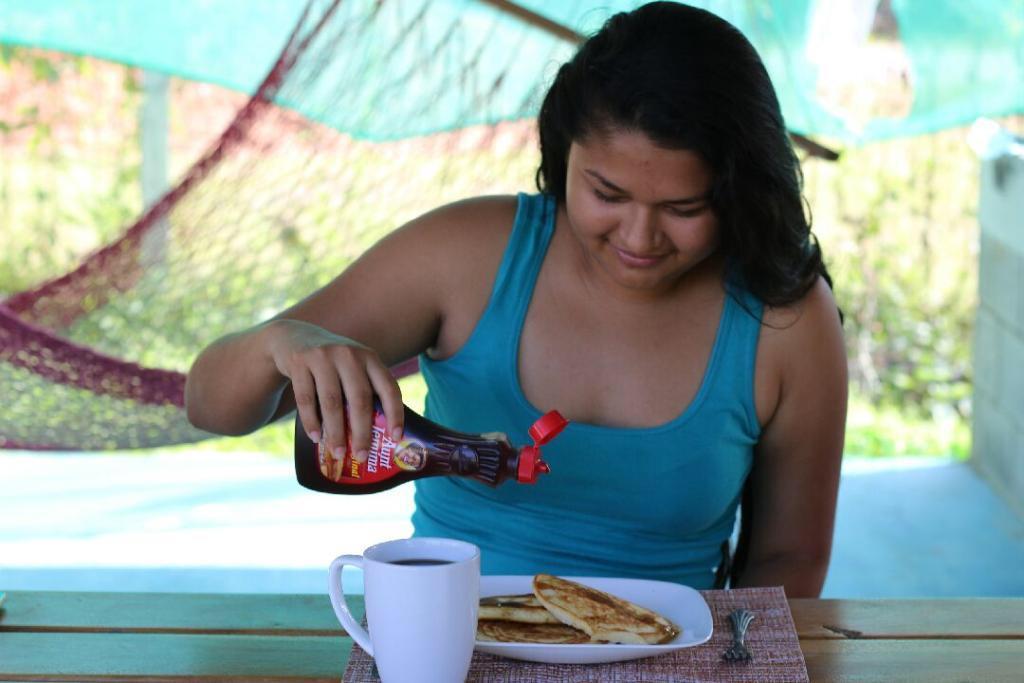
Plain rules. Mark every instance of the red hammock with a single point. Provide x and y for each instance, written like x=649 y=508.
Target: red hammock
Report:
x=94 y=359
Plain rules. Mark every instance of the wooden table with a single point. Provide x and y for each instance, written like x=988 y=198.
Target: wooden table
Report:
x=51 y=636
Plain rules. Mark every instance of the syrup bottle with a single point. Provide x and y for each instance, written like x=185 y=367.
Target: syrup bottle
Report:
x=427 y=449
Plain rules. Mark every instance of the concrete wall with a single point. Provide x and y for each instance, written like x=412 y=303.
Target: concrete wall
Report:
x=998 y=429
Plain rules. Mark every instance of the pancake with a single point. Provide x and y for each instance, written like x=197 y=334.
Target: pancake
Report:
x=602 y=616
x=329 y=467
x=521 y=608
x=517 y=632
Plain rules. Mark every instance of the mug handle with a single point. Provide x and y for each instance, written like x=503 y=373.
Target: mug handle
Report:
x=334 y=589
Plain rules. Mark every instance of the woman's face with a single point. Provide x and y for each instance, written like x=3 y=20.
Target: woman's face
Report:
x=640 y=212
x=410 y=457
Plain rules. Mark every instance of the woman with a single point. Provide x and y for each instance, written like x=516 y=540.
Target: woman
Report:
x=663 y=292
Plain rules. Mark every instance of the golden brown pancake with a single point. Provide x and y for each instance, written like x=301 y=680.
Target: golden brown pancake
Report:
x=602 y=616
x=522 y=608
x=329 y=467
x=518 y=632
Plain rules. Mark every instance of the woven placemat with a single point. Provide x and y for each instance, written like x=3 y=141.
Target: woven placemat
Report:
x=772 y=641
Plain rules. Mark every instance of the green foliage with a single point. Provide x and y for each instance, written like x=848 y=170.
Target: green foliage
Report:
x=898 y=224
x=55 y=207
x=885 y=431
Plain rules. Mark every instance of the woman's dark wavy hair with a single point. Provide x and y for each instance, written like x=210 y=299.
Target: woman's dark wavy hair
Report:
x=690 y=80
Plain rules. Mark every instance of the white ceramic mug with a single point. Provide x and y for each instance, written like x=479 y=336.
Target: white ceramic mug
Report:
x=422 y=599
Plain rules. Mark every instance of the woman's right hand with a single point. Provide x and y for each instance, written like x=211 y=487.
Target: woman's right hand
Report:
x=328 y=371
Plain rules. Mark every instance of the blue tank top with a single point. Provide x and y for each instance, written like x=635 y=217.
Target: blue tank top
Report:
x=635 y=502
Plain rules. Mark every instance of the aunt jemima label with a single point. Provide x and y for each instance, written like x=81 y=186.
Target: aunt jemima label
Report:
x=385 y=456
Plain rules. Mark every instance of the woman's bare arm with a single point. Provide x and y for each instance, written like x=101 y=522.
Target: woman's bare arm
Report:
x=795 y=479
x=337 y=343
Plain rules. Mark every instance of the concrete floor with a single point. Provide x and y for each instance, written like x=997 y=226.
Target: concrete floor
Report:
x=923 y=528
x=239 y=523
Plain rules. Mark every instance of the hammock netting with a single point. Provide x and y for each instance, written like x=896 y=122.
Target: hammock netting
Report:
x=371 y=113
x=277 y=207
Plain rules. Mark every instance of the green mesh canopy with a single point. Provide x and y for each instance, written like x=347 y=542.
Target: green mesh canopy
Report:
x=965 y=59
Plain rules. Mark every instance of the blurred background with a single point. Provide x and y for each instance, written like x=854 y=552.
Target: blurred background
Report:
x=173 y=172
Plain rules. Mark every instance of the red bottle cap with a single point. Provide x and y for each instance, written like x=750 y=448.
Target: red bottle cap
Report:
x=547 y=427
x=542 y=431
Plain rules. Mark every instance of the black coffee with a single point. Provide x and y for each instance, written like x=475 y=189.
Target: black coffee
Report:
x=420 y=562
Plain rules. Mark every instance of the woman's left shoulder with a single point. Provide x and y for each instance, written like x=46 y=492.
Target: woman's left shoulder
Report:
x=806 y=317
x=801 y=353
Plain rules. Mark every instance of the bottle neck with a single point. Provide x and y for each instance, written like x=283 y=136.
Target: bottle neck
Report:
x=488 y=461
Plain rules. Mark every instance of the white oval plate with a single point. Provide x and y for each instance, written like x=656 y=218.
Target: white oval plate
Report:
x=681 y=604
